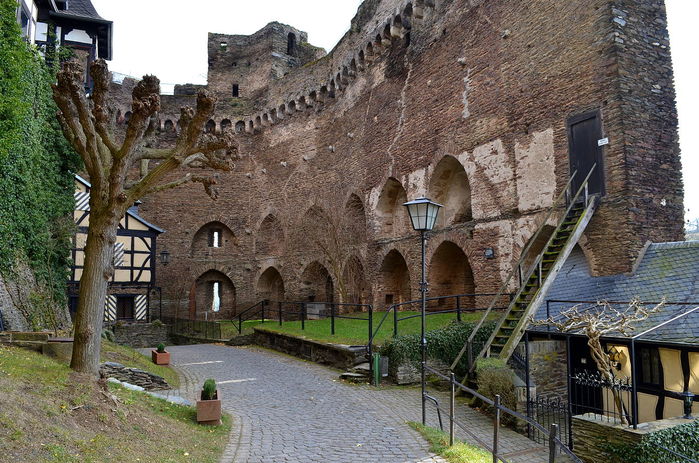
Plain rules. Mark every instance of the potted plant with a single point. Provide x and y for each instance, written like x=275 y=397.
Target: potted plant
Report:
x=160 y=356
x=209 y=407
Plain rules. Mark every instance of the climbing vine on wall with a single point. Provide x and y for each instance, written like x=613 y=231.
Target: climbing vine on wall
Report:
x=36 y=183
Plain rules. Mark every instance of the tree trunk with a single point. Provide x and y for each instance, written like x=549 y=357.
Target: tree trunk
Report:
x=97 y=270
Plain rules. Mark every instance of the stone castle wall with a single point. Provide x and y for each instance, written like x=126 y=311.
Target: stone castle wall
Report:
x=465 y=101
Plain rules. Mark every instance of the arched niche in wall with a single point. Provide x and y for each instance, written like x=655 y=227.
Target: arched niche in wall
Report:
x=317 y=284
x=270 y=285
x=269 y=241
x=210 y=126
x=169 y=126
x=391 y=215
x=356 y=219
x=210 y=238
x=450 y=274
x=449 y=186
x=213 y=298
x=240 y=127
x=394 y=279
x=355 y=287
x=225 y=124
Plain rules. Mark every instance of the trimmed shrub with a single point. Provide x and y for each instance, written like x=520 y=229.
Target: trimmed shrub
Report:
x=494 y=377
x=160 y=348
x=443 y=344
x=208 y=392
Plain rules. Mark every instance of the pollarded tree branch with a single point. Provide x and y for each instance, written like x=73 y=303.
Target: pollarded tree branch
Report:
x=101 y=77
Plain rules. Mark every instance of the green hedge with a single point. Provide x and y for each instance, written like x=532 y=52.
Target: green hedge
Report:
x=36 y=164
x=443 y=344
x=683 y=439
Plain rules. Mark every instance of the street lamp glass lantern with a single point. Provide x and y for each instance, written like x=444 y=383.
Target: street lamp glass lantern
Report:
x=688 y=399
x=164 y=257
x=423 y=213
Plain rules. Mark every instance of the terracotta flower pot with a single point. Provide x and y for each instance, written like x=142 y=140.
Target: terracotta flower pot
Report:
x=209 y=411
x=160 y=358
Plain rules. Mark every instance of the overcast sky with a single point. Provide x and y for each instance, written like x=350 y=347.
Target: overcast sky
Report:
x=168 y=38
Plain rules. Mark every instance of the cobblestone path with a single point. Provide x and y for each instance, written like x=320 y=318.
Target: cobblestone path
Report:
x=288 y=410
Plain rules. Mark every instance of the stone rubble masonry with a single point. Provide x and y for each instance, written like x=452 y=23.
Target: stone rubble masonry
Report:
x=591 y=435
x=140 y=334
x=144 y=379
x=548 y=368
x=484 y=87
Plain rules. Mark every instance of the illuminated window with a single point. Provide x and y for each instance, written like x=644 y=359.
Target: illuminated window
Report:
x=215 y=238
x=215 y=296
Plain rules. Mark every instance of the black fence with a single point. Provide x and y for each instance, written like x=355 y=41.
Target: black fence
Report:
x=201 y=329
x=550 y=435
x=607 y=400
x=545 y=411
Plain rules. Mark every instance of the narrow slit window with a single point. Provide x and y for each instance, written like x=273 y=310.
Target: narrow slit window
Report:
x=215 y=296
x=236 y=90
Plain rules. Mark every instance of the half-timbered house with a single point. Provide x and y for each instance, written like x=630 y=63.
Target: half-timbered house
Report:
x=131 y=293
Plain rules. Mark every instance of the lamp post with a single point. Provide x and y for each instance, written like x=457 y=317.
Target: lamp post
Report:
x=423 y=215
x=687 y=399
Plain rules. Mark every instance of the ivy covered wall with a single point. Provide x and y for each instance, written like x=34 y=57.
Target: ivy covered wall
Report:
x=36 y=182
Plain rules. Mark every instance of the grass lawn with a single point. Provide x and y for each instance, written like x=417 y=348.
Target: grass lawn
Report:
x=460 y=452
x=229 y=329
x=356 y=332
x=131 y=358
x=51 y=414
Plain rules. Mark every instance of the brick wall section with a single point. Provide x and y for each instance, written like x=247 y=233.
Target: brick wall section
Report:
x=489 y=83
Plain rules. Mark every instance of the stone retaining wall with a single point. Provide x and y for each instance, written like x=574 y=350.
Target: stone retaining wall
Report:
x=336 y=355
x=140 y=334
x=590 y=435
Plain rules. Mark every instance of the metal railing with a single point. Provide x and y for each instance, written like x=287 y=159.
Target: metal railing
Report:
x=202 y=329
x=563 y=198
x=555 y=445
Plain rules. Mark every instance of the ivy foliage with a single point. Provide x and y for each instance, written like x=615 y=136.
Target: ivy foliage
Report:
x=36 y=183
x=682 y=439
x=443 y=344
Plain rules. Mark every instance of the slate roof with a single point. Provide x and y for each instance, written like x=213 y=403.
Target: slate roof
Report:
x=667 y=270
x=81 y=9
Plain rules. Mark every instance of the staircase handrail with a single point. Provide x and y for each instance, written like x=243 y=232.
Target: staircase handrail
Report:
x=583 y=187
x=505 y=284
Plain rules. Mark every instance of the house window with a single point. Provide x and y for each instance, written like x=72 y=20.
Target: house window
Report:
x=650 y=366
x=236 y=90
x=215 y=296
x=125 y=307
x=215 y=238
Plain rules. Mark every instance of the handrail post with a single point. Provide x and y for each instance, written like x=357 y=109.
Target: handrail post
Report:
x=264 y=302
x=332 y=318
x=371 y=335
x=634 y=389
x=303 y=316
x=496 y=428
x=452 y=404
x=458 y=309
x=240 y=324
x=553 y=433
x=280 y=313
x=395 y=320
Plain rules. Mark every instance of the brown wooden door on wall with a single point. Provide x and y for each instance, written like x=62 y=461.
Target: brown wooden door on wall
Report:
x=125 y=307
x=584 y=132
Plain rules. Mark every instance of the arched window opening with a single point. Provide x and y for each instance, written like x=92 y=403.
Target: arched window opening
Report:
x=317 y=285
x=240 y=127
x=390 y=213
x=270 y=285
x=210 y=126
x=225 y=124
x=449 y=186
x=169 y=126
x=450 y=274
x=394 y=284
x=212 y=236
x=214 y=297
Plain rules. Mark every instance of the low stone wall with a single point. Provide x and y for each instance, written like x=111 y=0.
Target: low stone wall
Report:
x=144 y=379
x=140 y=334
x=590 y=435
x=336 y=355
x=28 y=340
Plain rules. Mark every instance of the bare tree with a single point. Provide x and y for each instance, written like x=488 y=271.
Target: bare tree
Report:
x=600 y=320
x=111 y=161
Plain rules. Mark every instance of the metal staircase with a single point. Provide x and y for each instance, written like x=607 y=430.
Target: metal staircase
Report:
x=535 y=280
